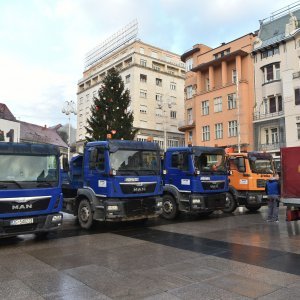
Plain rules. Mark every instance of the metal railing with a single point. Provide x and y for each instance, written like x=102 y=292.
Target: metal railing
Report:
x=261 y=116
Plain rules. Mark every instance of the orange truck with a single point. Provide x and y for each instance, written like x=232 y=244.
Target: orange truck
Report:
x=248 y=174
x=290 y=179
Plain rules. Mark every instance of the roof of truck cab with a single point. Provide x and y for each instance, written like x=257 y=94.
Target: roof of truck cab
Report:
x=114 y=145
x=197 y=149
x=28 y=149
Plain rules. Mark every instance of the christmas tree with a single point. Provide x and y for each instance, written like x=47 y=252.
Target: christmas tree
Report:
x=110 y=114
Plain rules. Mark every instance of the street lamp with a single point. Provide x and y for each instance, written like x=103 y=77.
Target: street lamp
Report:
x=68 y=109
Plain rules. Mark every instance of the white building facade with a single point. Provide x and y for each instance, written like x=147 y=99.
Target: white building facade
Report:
x=155 y=79
x=276 y=55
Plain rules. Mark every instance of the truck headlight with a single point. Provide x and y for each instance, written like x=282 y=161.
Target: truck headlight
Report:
x=196 y=201
x=159 y=204
x=56 y=218
x=112 y=207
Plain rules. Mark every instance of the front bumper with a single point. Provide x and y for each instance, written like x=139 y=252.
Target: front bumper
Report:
x=129 y=209
x=38 y=224
x=253 y=199
x=207 y=202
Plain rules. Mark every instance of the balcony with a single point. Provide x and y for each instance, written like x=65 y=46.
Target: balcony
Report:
x=260 y=116
x=186 y=125
x=270 y=147
x=296 y=75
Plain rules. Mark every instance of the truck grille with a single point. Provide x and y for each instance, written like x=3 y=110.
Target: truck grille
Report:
x=138 y=187
x=143 y=206
x=260 y=183
x=213 y=185
x=14 y=205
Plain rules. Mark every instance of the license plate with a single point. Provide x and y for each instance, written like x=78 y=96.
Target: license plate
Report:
x=21 y=221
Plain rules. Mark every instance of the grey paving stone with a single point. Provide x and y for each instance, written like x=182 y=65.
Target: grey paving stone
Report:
x=6 y=275
x=205 y=291
x=78 y=293
x=16 y=289
x=162 y=296
x=282 y=294
x=113 y=284
x=22 y=264
x=48 y=282
x=242 y=285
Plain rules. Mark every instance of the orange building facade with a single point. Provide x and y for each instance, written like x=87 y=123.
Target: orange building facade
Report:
x=219 y=95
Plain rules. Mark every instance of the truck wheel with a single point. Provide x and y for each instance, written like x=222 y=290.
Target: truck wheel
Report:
x=85 y=214
x=230 y=204
x=170 y=209
x=253 y=208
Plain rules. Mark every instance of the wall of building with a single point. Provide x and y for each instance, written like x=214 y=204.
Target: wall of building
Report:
x=6 y=126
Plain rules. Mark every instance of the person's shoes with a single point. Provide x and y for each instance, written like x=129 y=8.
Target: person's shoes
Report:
x=277 y=221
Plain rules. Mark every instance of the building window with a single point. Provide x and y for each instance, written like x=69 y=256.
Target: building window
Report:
x=270 y=52
x=143 y=109
x=158 y=98
x=234 y=76
x=190 y=138
x=155 y=67
x=271 y=72
x=231 y=101
x=173 y=100
x=298 y=130
x=127 y=78
x=173 y=143
x=218 y=104
x=232 y=128
x=143 y=78
x=143 y=63
x=173 y=114
x=205 y=107
x=154 y=54
x=207 y=86
x=267 y=136
x=173 y=86
x=158 y=81
x=189 y=114
x=189 y=92
x=205 y=133
x=297 y=96
x=274 y=135
x=279 y=99
x=159 y=112
x=189 y=64
x=143 y=93
x=219 y=130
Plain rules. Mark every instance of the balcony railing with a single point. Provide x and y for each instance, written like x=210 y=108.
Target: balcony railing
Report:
x=269 y=147
x=261 y=116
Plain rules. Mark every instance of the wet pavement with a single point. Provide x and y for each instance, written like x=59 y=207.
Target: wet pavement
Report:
x=224 y=256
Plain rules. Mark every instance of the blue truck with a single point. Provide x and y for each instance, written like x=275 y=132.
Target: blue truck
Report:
x=195 y=180
x=114 y=180
x=30 y=189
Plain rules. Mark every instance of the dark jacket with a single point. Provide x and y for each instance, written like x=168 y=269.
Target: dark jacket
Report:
x=273 y=187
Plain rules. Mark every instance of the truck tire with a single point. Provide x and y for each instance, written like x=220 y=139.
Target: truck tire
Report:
x=170 y=208
x=85 y=214
x=253 y=208
x=230 y=204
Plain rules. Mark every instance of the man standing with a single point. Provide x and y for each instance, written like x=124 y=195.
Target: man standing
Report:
x=273 y=192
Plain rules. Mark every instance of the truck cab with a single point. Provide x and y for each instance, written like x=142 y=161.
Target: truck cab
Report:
x=195 y=180
x=248 y=175
x=115 y=180
x=30 y=189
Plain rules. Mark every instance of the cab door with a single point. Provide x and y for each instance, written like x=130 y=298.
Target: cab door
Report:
x=239 y=178
x=178 y=173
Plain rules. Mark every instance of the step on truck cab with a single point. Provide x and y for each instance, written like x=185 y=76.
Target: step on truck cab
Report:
x=114 y=180
x=30 y=189
x=195 y=180
x=248 y=175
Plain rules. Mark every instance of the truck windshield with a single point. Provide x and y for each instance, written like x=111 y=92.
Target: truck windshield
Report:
x=26 y=171
x=135 y=162
x=261 y=166
x=210 y=163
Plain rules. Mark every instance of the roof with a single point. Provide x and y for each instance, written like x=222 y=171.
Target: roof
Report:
x=5 y=113
x=273 y=31
x=39 y=134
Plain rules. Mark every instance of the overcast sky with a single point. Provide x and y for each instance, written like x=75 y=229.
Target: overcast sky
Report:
x=43 y=42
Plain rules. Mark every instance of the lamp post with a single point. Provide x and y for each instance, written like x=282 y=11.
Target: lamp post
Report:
x=162 y=106
x=68 y=109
